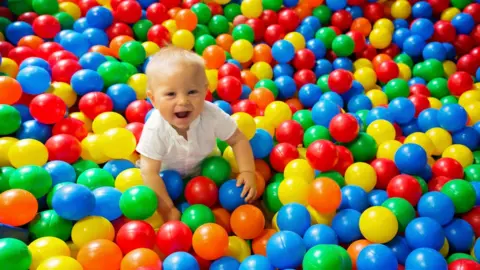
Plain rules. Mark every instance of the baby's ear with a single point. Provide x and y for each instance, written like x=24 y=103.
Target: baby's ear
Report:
x=150 y=95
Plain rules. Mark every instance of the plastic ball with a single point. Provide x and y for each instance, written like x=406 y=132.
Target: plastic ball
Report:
x=372 y=224
x=65 y=202
x=247 y=215
x=278 y=253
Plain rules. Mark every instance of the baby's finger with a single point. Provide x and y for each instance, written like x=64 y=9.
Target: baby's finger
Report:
x=239 y=181
x=251 y=195
x=244 y=191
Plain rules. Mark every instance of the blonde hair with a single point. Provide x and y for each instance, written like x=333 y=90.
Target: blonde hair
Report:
x=168 y=58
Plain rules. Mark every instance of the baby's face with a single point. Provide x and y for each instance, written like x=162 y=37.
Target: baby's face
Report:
x=179 y=96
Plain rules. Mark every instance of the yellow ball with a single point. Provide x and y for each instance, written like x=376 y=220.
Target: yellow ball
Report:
x=251 y=8
x=150 y=47
x=222 y=2
x=274 y=222
x=361 y=174
x=71 y=9
x=230 y=157
x=262 y=70
x=263 y=123
x=108 y=120
x=293 y=190
x=60 y=263
x=237 y=248
x=277 y=112
x=387 y=149
x=445 y=248
x=241 y=50
x=245 y=124
x=380 y=38
x=5 y=144
x=435 y=103
x=171 y=26
x=469 y=97
x=27 y=152
x=155 y=220
x=9 y=67
x=366 y=76
x=378 y=224
x=381 y=130
x=476 y=86
x=401 y=9
x=449 y=67
x=184 y=39
x=74 y=249
x=423 y=140
x=47 y=247
x=362 y=62
x=405 y=72
x=87 y=122
x=449 y=13
x=128 y=178
x=299 y=168
x=473 y=111
x=302 y=152
x=63 y=91
x=139 y=84
x=318 y=218
x=460 y=153
x=297 y=40
x=386 y=23
x=92 y=228
x=92 y=148
x=440 y=138
x=119 y=143
x=212 y=77
x=377 y=97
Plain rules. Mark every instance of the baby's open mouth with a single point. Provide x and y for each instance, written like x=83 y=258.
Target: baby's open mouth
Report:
x=182 y=114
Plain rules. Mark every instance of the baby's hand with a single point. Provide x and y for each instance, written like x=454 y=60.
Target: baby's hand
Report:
x=250 y=186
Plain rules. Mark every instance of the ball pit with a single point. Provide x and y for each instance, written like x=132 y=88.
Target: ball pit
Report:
x=363 y=118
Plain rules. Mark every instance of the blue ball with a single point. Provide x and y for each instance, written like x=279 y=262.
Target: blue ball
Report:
x=476 y=186
x=400 y=35
x=422 y=9
x=309 y=94
x=322 y=67
x=24 y=112
x=354 y=197
x=335 y=5
x=245 y=92
x=58 y=37
x=416 y=80
x=333 y=97
x=402 y=110
x=356 y=89
x=468 y=137
x=80 y=25
x=283 y=51
x=425 y=259
x=452 y=117
x=424 y=232
x=379 y=113
x=17 y=30
x=261 y=143
x=235 y=62
x=146 y=3
x=255 y=262
x=377 y=196
x=92 y=60
x=283 y=70
x=437 y=206
x=60 y=171
x=413 y=45
x=148 y=114
x=225 y=106
x=286 y=87
x=180 y=260
x=313 y=22
x=85 y=81
x=400 y=248
x=290 y=3
x=460 y=235
x=36 y=62
x=75 y=43
x=317 y=47
x=107 y=201
x=345 y=224
x=116 y=166
x=294 y=217
x=476 y=248
x=463 y=23
x=323 y=111
x=376 y=256
x=451 y=51
x=99 y=17
x=306 y=31
x=427 y=119
x=319 y=234
x=285 y=249
x=400 y=23
x=229 y=195
x=343 y=63
x=173 y=183
x=225 y=263
x=422 y=27
x=410 y=127
x=359 y=102
x=355 y=11
x=96 y=36
x=122 y=95
x=182 y=206
x=32 y=129
x=410 y=158
x=434 y=50
x=34 y=80
x=66 y=200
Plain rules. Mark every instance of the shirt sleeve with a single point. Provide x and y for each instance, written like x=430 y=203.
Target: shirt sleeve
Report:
x=150 y=145
x=224 y=125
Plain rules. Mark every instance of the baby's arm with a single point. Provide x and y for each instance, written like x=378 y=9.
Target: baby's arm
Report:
x=150 y=169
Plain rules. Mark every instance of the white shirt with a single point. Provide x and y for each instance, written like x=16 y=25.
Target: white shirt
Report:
x=160 y=141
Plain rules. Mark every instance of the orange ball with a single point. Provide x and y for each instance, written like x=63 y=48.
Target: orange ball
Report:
x=259 y=244
x=260 y=182
x=140 y=257
x=210 y=241
x=30 y=41
x=102 y=50
x=117 y=42
x=355 y=248
x=225 y=41
x=361 y=25
x=262 y=53
x=263 y=168
x=10 y=90
x=100 y=254
x=186 y=19
x=17 y=207
x=295 y=103
x=249 y=78
x=214 y=56
x=314 y=3
x=173 y=12
x=380 y=58
x=262 y=97
x=247 y=221
x=303 y=10
x=324 y=195
x=222 y=218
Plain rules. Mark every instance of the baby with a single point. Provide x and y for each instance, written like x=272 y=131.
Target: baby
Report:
x=183 y=128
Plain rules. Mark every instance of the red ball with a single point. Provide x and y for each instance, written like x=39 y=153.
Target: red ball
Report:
x=373 y=12
x=289 y=131
x=340 y=81
x=70 y=126
x=464 y=264
x=86 y=5
x=304 y=76
x=460 y=82
x=468 y=63
x=474 y=10
x=94 y=103
x=64 y=70
x=281 y=155
x=473 y=218
x=385 y=170
x=475 y=52
x=27 y=17
x=157 y=13
x=137 y=110
x=64 y=147
x=344 y=127
x=169 y=4
x=463 y=44
x=274 y=33
x=118 y=29
x=135 y=234
x=201 y=190
x=342 y=19
x=46 y=26
x=476 y=34
x=358 y=39
x=369 y=52
x=436 y=183
x=322 y=155
x=420 y=102
x=5 y=47
x=18 y=54
x=158 y=34
x=136 y=128
x=209 y=96
x=304 y=59
x=47 y=108
x=387 y=71
x=55 y=57
x=114 y=3
x=448 y=167
x=189 y=3
x=46 y=49
x=239 y=19
x=229 y=88
x=406 y=187
x=345 y=159
x=269 y=17
x=246 y=106
x=444 y=31
x=229 y=69
x=174 y=236
x=392 y=50
x=438 y=5
x=288 y=19
x=419 y=89
x=258 y=27
x=215 y=8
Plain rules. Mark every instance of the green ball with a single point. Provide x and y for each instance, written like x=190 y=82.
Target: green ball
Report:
x=42 y=7
x=326 y=257
x=270 y=197
x=138 y=202
x=274 y=5
x=217 y=169
x=326 y=35
x=322 y=82
x=403 y=211
x=200 y=30
x=196 y=215
x=364 y=148
x=460 y=4
x=462 y=194
x=363 y=117
x=432 y=68
x=4 y=22
x=449 y=100
x=11 y=119
x=32 y=178
x=49 y=223
x=277 y=177
x=422 y=183
x=5 y=173
x=14 y=254
x=111 y=59
x=335 y=176
x=459 y=256
x=472 y=173
x=95 y=178
x=82 y=165
x=438 y=88
x=130 y=69
x=222 y=145
x=203 y=12
x=269 y=84
x=323 y=13
x=397 y=88
x=476 y=157
x=113 y=72
x=304 y=118
x=203 y=42
x=343 y=45
x=132 y=52
x=404 y=59
x=140 y=29
x=18 y=7
x=231 y=11
x=52 y=192
x=243 y=31
x=218 y=25
x=314 y=133
x=66 y=21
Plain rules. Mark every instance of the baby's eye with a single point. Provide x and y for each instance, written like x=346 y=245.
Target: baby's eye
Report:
x=170 y=94
x=192 y=92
